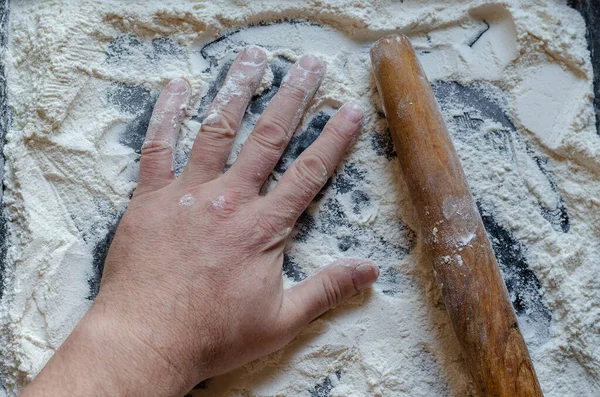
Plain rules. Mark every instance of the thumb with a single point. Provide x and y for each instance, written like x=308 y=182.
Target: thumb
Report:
x=323 y=291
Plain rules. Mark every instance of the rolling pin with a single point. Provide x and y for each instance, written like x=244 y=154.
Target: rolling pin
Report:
x=452 y=231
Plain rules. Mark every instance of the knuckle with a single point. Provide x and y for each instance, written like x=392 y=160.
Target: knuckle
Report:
x=157 y=148
x=271 y=133
x=333 y=292
x=295 y=89
x=312 y=170
x=226 y=204
x=220 y=130
x=230 y=119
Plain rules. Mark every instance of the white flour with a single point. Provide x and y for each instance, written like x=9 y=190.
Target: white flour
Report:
x=82 y=74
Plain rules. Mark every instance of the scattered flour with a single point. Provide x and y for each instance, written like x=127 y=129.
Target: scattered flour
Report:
x=187 y=200
x=81 y=74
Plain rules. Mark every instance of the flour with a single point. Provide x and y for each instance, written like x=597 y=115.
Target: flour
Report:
x=187 y=200
x=82 y=79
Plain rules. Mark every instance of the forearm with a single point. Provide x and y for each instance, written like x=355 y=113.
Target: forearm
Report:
x=101 y=357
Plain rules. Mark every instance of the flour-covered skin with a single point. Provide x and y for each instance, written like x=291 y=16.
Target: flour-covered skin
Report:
x=70 y=173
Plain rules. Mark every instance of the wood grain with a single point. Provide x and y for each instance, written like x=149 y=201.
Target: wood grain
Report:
x=451 y=228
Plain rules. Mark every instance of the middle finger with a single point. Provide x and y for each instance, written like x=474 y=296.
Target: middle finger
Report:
x=276 y=125
x=222 y=120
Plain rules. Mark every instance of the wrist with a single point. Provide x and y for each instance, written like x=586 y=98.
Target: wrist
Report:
x=134 y=364
x=113 y=359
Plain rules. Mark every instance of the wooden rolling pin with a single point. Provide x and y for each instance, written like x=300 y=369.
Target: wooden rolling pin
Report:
x=451 y=228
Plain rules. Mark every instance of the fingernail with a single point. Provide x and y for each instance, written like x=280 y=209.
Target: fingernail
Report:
x=179 y=86
x=254 y=54
x=352 y=112
x=311 y=63
x=364 y=275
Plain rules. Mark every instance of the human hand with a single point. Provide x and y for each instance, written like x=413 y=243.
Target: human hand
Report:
x=192 y=284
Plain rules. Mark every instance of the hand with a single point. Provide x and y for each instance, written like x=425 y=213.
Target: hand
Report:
x=192 y=285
